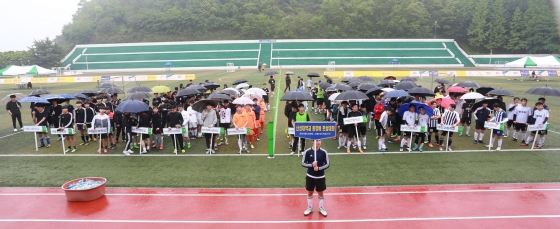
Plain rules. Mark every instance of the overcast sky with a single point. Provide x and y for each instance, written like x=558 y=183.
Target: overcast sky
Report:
x=23 y=21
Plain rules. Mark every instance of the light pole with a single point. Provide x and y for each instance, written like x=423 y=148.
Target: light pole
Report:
x=435 y=29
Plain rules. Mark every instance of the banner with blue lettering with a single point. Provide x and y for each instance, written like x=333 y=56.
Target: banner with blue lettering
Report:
x=315 y=130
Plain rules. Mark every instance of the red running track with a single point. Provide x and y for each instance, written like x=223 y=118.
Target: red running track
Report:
x=449 y=206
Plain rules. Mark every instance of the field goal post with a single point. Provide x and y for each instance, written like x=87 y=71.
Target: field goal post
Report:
x=230 y=67
x=331 y=66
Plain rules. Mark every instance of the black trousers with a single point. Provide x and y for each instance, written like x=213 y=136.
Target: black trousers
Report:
x=208 y=138
x=295 y=144
x=288 y=87
x=178 y=138
x=128 y=140
x=18 y=116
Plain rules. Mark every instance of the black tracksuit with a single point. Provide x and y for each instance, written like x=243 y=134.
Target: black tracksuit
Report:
x=173 y=119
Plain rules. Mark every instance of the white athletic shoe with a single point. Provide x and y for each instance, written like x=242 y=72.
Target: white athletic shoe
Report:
x=292 y=153
x=130 y=151
x=15 y=130
x=499 y=148
x=364 y=147
x=488 y=146
x=143 y=151
x=308 y=211
x=126 y=153
x=323 y=211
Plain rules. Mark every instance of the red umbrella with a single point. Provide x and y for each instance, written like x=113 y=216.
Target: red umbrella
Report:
x=457 y=90
x=443 y=102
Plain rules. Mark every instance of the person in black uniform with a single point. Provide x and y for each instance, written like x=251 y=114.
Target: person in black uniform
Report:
x=13 y=108
x=175 y=119
x=353 y=129
x=288 y=83
x=316 y=160
x=55 y=116
x=89 y=113
x=40 y=119
x=80 y=114
x=126 y=125
x=66 y=121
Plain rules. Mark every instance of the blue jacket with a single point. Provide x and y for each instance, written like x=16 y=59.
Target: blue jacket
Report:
x=309 y=156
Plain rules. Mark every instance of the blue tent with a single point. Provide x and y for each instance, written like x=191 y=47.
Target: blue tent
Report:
x=168 y=64
x=394 y=60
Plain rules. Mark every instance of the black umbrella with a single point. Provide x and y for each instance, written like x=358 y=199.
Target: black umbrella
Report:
x=354 y=83
x=489 y=101
x=467 y=84
x=138 y=95
x=106 y=85
x=201 y=104
x=39 y=92
x=219 y=96
x=409 y=79
x=80 y=96
x=405 y=85
x=132 y=106
x=342 y=87
x=365 y=79
x=352 y=95
x=331 y=89
x=544 y=91
x=198 y=87
x=211 y=85
x=90 y=92
x=298 y=94
x=270 y=73
x=239 y=81
x=367 y=86
x=112 y=90
x=313 y=74
x=328 y=78
x=502 y=92
x=421 y=91
x=229 y=91
x=346 y=79
x=140 y=89
x=374 y=91
x=386 y=83
x=484 y=90
x=187 y=91
x=442 y=81
x=324 y=85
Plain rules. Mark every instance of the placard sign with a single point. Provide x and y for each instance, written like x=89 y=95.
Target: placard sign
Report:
x=141 y=130
x=353 y=120
x=97 y=131
x=234 y=131
x=291 y=130
x=36 y=129
x=63 y=131
x=175 y=130
x=212 y=130
x=538 y=127
x=416 y=129
x=494 y=125
x=315 y=130
x=450 y=128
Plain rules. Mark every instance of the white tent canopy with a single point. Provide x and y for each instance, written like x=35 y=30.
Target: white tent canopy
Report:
x=546 y=61
x=26 y=70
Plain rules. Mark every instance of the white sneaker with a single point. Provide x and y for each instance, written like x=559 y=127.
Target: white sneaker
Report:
x=364 y=147
x=323 y=212
x=21 y=129
x=144 y=151
x=449 y=149
x=499 y=148
x=126 y=153
x=488 y=146
x=15 y=130
x=292 y=153
x=308 y=211
x=130 y=151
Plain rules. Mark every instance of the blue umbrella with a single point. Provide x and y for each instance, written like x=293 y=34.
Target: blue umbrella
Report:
x=404 y=107
x=396 y=94
x=33 y=99
x=80 y=96
x=132 y=106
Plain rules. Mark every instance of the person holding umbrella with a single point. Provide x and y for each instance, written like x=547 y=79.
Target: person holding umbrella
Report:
x=175 y=119
x=40 y=119
x=13 y=108
x=481 y=115
x=272 y=83
x=353 y=129
x=288 y=83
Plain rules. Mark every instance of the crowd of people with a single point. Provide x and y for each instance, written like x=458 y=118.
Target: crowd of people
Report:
x=166 y=110
x=385 y=117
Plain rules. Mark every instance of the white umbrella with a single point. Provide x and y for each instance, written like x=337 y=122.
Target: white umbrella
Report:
x=243 y=101
x=333 y=96
x=241 y=85
x=256 y=90
x=387 y=89
x=252 y=95
x=232 y=89
x=472 y=95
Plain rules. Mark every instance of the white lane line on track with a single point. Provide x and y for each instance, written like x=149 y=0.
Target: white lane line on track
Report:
x=371 y=220
x=461 y=191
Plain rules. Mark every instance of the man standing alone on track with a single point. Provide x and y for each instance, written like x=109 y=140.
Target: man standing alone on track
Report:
x=316 y=160
x=13 y=108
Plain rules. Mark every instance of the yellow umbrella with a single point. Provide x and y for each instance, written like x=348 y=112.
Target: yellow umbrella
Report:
x=161 y=89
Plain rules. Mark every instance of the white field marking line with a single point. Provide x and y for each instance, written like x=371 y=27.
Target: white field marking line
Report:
x=253 y=155
x=301 y=194
x=5 y=136
x=371 y=220
x=553 y=131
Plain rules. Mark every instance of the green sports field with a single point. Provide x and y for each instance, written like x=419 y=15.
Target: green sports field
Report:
x=22 y=166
